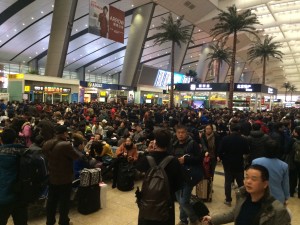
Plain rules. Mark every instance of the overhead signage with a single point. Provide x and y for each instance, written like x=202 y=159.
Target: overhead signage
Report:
x=27 y=88
x=16 y=76
x=200 y=87
x=94 y=85
x=163 y=78
x=66 y=90
x=38 y=88
x=270 y=90
x=246 y=87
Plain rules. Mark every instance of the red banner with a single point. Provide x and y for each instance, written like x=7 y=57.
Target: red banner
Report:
x=116 y=24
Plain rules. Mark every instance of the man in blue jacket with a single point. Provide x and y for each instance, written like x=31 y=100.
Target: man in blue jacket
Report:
x=10 y=205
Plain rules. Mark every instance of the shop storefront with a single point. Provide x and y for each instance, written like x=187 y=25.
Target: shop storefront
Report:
x=49 y=89
x=212 y=95
x=111 y=93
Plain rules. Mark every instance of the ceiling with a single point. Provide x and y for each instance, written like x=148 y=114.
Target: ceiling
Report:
x=24 y=36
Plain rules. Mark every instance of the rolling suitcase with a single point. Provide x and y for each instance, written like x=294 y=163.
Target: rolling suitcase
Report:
x=88 y=199
x=204 y=190
x=125 y=178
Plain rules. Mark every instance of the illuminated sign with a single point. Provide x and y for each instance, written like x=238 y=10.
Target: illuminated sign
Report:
x=16 y=76
x=246 y=87
x=270 y=90
x=66 y=90
x=38 y=88
x=27 y=88
x=94 y=85
x=200 y=87
x=163 y=78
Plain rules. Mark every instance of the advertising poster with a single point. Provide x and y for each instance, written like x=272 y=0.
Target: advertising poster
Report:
x=116 y=24
x=106 y=21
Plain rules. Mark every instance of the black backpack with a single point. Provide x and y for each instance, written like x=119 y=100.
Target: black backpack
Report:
x=155 y=199
x=32 y=176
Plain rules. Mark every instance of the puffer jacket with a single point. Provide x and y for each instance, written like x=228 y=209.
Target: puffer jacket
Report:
x=9 y=155
x=273 y=212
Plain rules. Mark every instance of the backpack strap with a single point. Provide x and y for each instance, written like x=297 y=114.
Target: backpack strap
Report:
x=162 y=164
x=166 y=161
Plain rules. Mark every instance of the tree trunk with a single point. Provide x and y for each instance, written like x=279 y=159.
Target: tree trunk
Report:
x=218 y=70
x=231 y=85
x=264 y=71
x=285 y=94
x=172 y=77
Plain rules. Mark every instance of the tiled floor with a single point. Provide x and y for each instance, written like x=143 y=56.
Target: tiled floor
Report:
x=122 y=210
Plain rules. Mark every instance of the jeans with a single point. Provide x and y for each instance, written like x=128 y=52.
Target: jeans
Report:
x=186 y=209
x=58 y=195
x=229 y=178
x=17 y=210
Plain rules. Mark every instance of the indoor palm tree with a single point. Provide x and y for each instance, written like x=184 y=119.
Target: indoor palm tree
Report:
x=292 y=89
x=172 y=30
x=219 y=54
x=287 y=86
x=192 y=74
x=263 y=50
x=231 y=22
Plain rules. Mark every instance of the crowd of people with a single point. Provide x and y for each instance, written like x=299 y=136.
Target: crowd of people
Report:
x=73 y=136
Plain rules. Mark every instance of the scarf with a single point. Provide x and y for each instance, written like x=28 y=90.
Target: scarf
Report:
x=211 y=145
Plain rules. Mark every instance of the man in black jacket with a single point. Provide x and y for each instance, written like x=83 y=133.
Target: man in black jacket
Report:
x=189 y=156
x=231 y=151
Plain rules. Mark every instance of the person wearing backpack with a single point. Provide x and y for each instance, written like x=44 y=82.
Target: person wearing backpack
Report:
x=189 y=155
x=60 y=155
x=9 y=158
x=156 y=205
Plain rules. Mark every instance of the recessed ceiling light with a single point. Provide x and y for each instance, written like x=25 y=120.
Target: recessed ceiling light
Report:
x=15 y=30
x=52 y=6
x=43 y=48
x=86 y=25
x=7 y=35
x=101 y=64
x=80 y=55
x=199 y=30
x=29 y=57
x=36 y=53
x=42 y=12
x=76 y=30
x=23 y=24
x=132 y=5
x=32 y=18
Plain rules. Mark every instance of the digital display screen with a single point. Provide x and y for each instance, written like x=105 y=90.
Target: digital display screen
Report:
x=163 y=78
x=198 y=104
x=148 y=101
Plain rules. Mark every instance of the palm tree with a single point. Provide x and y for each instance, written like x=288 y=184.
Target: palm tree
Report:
x=263 y=51
x=220 y=55
x=172 y=30
x=292 y=89
x=192 y=74
x=286 y=85
x=231 y=22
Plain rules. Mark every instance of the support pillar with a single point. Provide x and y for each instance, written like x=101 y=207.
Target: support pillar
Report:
x=81 y=74
x=140 y=24
x=203 y=63
x=33 y=67
x=62 y=23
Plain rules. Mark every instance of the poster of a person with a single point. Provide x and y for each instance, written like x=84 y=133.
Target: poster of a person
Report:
x=103 y=22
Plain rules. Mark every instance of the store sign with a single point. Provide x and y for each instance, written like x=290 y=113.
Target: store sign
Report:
x=270 y=90
x=200 y=87
x=94 y=85
x=38 y=88
x=53 y=89
x=27 y=88
x=66 y=90
x=16 y=76
x=246 y=87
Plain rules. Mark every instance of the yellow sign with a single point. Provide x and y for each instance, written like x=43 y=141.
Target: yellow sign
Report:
x=103 y=93
x=149 y=95
x=187 y=96
x=27 y=88
x=16 y=76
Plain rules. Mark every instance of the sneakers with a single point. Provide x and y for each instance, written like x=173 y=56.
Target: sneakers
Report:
x=227 y=203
